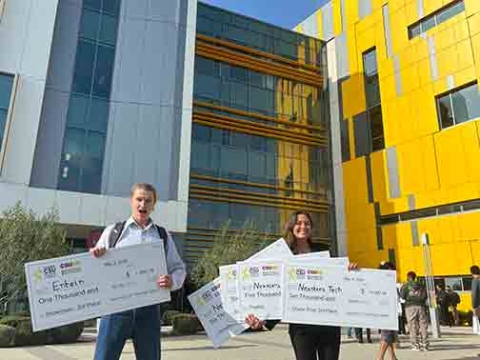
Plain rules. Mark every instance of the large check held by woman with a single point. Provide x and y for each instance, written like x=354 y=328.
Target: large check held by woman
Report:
x=79 y=287
x=331 y=295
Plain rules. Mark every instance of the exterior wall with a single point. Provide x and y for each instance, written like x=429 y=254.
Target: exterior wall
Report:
x=260 y=139
x=26 y=31
x=422 y=166
x=148 y=88
x=150 y=114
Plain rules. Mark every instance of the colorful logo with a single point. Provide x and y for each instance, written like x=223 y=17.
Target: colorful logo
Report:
x=71 y=267
x=270 y=267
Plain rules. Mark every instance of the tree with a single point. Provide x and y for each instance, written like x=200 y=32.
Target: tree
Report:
x=229 y=246
x=24 y=237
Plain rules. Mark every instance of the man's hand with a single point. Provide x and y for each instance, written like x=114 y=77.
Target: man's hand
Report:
x=353 y=266
x=254 y=322
x=164 y=281
x=98 y=252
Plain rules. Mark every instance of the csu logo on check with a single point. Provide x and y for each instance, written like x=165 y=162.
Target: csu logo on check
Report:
x=300 y=273
x=49 y=272
x=254 y=271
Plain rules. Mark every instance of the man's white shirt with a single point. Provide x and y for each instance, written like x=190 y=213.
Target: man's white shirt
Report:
x=133 y=234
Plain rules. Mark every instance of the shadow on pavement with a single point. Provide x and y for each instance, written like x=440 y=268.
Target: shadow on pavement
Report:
x=201 y=348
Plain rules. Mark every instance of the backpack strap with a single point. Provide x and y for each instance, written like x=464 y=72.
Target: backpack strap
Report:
x=115 y=234
x=164 y=236
x=118 y=228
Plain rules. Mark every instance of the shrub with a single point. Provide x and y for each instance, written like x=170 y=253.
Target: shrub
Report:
x=7 y=335
x=25 y=335
x=13 y=320
x=229 y=246
x=66 y=334
x=185 y=324
x=24 y=237
x=168 y=315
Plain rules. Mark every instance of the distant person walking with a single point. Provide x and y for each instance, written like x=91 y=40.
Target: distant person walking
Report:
x=443 y=302
x=415 y=297
x=454 y=299
x=387 y=337
x=475 y=271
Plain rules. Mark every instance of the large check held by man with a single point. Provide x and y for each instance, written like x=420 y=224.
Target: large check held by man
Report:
x=79 y=287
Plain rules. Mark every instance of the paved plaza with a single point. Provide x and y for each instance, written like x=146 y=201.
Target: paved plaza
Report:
x=455 y=344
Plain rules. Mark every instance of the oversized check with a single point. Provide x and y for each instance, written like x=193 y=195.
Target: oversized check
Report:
x=207 y=304
x=230 y=292
x=261 y=288
x=230 y=281
x=79 y=287
x=320 y=261
x=332 y=295
x=276 y=250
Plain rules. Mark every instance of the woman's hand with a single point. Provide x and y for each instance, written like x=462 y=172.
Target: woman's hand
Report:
x=254 y=322
x=353 y=266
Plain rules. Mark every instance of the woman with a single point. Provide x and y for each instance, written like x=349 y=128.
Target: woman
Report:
x=387 y=337
x=308 y=340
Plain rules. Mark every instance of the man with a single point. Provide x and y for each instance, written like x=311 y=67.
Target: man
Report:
x=475 y=271
x=415 y=297
x=454 y=299
x=443 y=302
x=142 y=324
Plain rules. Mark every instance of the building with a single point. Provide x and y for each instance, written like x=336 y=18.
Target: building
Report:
x=405 y=74
x=367 y=116
x=260 y=135
x=90 y=103
x=225 y=115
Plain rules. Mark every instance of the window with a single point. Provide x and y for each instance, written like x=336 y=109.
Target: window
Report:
x=6 y=87
x=220 y=24
x=435 y=19
x=459 y=106
x=87 y=118
x=376 y=128
x=372 y=95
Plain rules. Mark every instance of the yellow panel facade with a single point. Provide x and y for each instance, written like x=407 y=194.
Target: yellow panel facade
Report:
x=429 y=167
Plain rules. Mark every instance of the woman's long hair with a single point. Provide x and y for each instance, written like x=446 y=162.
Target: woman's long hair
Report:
x=289 y=237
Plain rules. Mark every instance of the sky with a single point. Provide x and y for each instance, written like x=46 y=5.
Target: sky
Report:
x=284 y=13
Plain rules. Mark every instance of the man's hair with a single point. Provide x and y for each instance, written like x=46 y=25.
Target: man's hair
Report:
x=411 y=275
x=475 y=270
x=146 y=187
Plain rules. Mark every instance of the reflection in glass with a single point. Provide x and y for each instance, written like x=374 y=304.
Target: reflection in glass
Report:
x=376 y=128
x=103 y=72
x=98 y=115
x=108 y=30
x=445 y=111
x=77 y=110
x=89 y=24
x=218 y=23
x=84 y=65
x=466 y=104
x=3 y=122
x=459 y=106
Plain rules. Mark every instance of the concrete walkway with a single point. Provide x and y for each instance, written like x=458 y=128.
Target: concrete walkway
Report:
x=455 y=344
